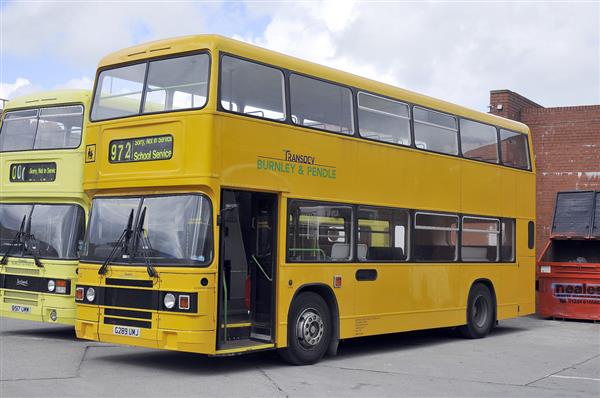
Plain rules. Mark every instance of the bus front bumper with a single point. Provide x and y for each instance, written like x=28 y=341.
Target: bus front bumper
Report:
x=38 y=307
x=201 y=342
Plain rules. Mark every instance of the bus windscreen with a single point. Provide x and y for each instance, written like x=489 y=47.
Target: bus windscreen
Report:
x=54 y=231
x=175 y=230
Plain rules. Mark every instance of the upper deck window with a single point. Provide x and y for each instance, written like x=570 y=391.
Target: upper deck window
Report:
x=515 y=149
x=172 y=84
x=321 y=105
x=382 y=119
x=478 y=141
x=252 y=89
x=435 y=131
x=177 y=83
x=44 y=128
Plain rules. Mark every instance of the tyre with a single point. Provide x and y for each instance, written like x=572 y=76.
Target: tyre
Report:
x=481 y=313
x=309 y=329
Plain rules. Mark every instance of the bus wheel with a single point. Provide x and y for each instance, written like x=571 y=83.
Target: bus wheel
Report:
x=309 y=329
x=480 y=313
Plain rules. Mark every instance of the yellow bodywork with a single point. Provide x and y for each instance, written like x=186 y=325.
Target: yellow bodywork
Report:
x=214 y=150
x=65 y=189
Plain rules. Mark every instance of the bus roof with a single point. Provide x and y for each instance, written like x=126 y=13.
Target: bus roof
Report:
x=215 y=42
x=53 y=97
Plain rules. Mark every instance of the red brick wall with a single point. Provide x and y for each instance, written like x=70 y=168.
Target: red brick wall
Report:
x=566 y=144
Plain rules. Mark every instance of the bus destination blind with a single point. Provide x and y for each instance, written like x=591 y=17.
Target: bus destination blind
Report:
x=141 y=149
x=33 y=172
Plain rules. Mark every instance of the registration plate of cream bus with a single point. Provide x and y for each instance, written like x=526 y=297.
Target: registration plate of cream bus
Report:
x=20 y=308
x=126 y=331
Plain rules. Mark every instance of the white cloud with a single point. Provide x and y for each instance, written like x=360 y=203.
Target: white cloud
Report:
x=455 y=51
x=81 y=33
x=78 y=83
x=21 y=86
x=458 y=52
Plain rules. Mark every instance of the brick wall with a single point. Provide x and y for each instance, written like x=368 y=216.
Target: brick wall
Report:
x=566 y=144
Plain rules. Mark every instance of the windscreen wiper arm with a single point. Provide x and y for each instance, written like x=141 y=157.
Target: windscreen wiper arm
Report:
x=30 y=244
x=18 y=238
x=140 y=235
x=121 y=243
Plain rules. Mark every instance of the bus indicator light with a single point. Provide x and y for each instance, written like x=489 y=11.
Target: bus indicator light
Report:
x=184 y=302
x=337 y=281
x=61 y=286
x=79 y=294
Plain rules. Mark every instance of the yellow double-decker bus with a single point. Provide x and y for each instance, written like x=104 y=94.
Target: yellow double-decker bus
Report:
x=246 y=200
x=42 y=204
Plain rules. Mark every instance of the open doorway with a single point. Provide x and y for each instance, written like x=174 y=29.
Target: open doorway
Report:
x=248 y=228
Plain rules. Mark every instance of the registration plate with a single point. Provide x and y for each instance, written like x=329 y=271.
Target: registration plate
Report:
x=126 y=331
x=20 y=308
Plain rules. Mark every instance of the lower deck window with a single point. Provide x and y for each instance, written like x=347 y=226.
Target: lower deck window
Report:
x=382 y=234
x=507 y=251
x=435 y=237
x=479 y=239
x=319 y=232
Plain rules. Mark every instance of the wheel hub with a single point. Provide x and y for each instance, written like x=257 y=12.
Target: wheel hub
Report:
x=310 y=328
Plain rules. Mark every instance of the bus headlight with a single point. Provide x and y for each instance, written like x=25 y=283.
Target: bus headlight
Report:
x=51 y=285
x=169 y=300
x=90 y=294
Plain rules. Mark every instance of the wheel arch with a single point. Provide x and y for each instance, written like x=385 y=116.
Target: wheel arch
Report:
x=326 y=292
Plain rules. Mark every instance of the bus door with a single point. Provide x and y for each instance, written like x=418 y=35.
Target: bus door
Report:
x=248 y=233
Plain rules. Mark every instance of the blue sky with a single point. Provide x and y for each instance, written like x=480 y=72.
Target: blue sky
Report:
x=458 y=51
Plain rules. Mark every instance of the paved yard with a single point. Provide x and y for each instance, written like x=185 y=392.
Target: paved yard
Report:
x=523 y=357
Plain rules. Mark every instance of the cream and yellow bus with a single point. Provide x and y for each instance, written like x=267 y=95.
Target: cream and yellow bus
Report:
x=246 y=200
x=42 y=204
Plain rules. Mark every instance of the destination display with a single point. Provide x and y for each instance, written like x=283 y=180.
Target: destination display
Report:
x=33 y=172
x=141 y=149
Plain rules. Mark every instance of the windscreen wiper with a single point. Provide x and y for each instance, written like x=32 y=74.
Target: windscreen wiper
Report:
x=141 y=236
x=30 y=244
x=16 y=240
x=121 y=243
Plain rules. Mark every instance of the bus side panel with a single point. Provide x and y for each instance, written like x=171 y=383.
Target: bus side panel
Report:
x=293 y=277
x=480 y=192
x=502 y=276
x=526 y=211
x=526 y=273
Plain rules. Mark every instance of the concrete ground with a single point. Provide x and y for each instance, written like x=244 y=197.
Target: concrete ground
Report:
x=522 y=357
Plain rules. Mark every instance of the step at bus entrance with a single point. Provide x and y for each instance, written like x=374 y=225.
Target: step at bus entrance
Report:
x=247 y=269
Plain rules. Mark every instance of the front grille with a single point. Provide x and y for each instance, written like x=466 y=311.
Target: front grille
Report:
x=122 y=317
x=21 y=271
x=29 y=299
x=131 y=298
x=127 y=313
x=128 y=322
x=129 y=282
